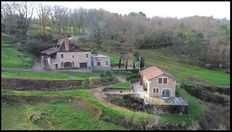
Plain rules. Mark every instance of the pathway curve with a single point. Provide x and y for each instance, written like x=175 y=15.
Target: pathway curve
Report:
x=101 y=97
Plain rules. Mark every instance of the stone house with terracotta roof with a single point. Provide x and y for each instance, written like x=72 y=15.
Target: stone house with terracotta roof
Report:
x=157 y=83
x=65 y=56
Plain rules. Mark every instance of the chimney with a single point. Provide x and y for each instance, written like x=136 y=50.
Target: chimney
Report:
x=66 y=45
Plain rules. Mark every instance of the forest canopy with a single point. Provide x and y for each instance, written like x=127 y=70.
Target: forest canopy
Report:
x=205 y=40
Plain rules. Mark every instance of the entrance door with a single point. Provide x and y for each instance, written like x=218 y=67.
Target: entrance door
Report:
x=98 y=63
x=56 y=66
x=83 y=65
x=166 y=93
x=67 y=65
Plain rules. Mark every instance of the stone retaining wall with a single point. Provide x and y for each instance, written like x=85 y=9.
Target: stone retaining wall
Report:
x=37 y=84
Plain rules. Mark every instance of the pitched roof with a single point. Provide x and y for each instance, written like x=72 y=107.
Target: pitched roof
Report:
x=152 y=72
x=50 y=51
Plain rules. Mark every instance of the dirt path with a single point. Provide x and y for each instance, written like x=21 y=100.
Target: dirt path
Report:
x=101 y=97
x=37 y=65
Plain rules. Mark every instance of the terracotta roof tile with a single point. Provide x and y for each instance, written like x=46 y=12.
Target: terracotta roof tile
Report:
x=151 y=72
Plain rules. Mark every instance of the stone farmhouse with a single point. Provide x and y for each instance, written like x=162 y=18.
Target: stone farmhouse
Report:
x=159 y=92
x=157 y=83
x=65 y=56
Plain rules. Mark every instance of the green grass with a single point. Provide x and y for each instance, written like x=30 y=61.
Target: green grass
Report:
x=164 y=59
x=62 y=115
x=114 y=59
x=124 y=85
x=196 y=109
x=7 y=39
x=114 y=112
x=45 y=75
x=14 y=58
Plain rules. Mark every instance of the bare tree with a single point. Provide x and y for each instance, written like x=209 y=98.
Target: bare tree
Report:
x=44 y=17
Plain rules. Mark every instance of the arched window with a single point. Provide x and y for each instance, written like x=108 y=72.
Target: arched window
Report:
x=154 y=90
x=157 y=90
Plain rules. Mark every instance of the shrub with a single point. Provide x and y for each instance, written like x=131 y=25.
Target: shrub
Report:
x=106 y=73
x=132 y=76
x=94 y=80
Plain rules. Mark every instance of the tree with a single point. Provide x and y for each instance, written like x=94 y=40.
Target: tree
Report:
x=126 y=63
x=119 y=63
x=60 y=15
x=133 y=64
x=141 y=62
x=25 y=13
x=17 y=17
x=44 y=17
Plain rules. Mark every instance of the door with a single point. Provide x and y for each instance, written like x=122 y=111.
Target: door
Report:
x=83 y=65
x=166 y=93
x=56 y=66
x=98 y=63
x=67 y=64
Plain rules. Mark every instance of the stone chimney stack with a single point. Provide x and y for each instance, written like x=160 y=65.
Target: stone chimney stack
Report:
x=66 y=45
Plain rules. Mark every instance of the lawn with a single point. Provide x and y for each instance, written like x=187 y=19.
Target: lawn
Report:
x=124 y=85
x=114 y=59
x=45 y=75
x=14 y=58
x=62 y=115
x=164 y=59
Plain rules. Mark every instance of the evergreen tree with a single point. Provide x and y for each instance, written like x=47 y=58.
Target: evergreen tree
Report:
x=134 y=64
x=126 y=63
x=141 y=62
x=119 y=63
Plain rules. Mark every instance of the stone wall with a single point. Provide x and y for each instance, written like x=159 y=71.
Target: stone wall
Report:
x=38 y=84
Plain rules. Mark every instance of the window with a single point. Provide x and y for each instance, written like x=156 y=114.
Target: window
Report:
x=106 y=62
x=62 y=55
x=73 y=56
x=160 y=80
x=86 y=55
x=165 y=80
x=155 y=90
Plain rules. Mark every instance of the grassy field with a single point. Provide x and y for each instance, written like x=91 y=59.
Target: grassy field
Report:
x=45 y=75
x=124 y=85
x=62 y=115
x=14 y=58
x=10 y=56
x=164 y=59
x=195 y=109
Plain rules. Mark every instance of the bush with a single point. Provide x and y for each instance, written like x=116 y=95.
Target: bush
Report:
x=107 y=79
x=106 y=73
x=132 y=76
x=35 y=46
x=94 y=80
